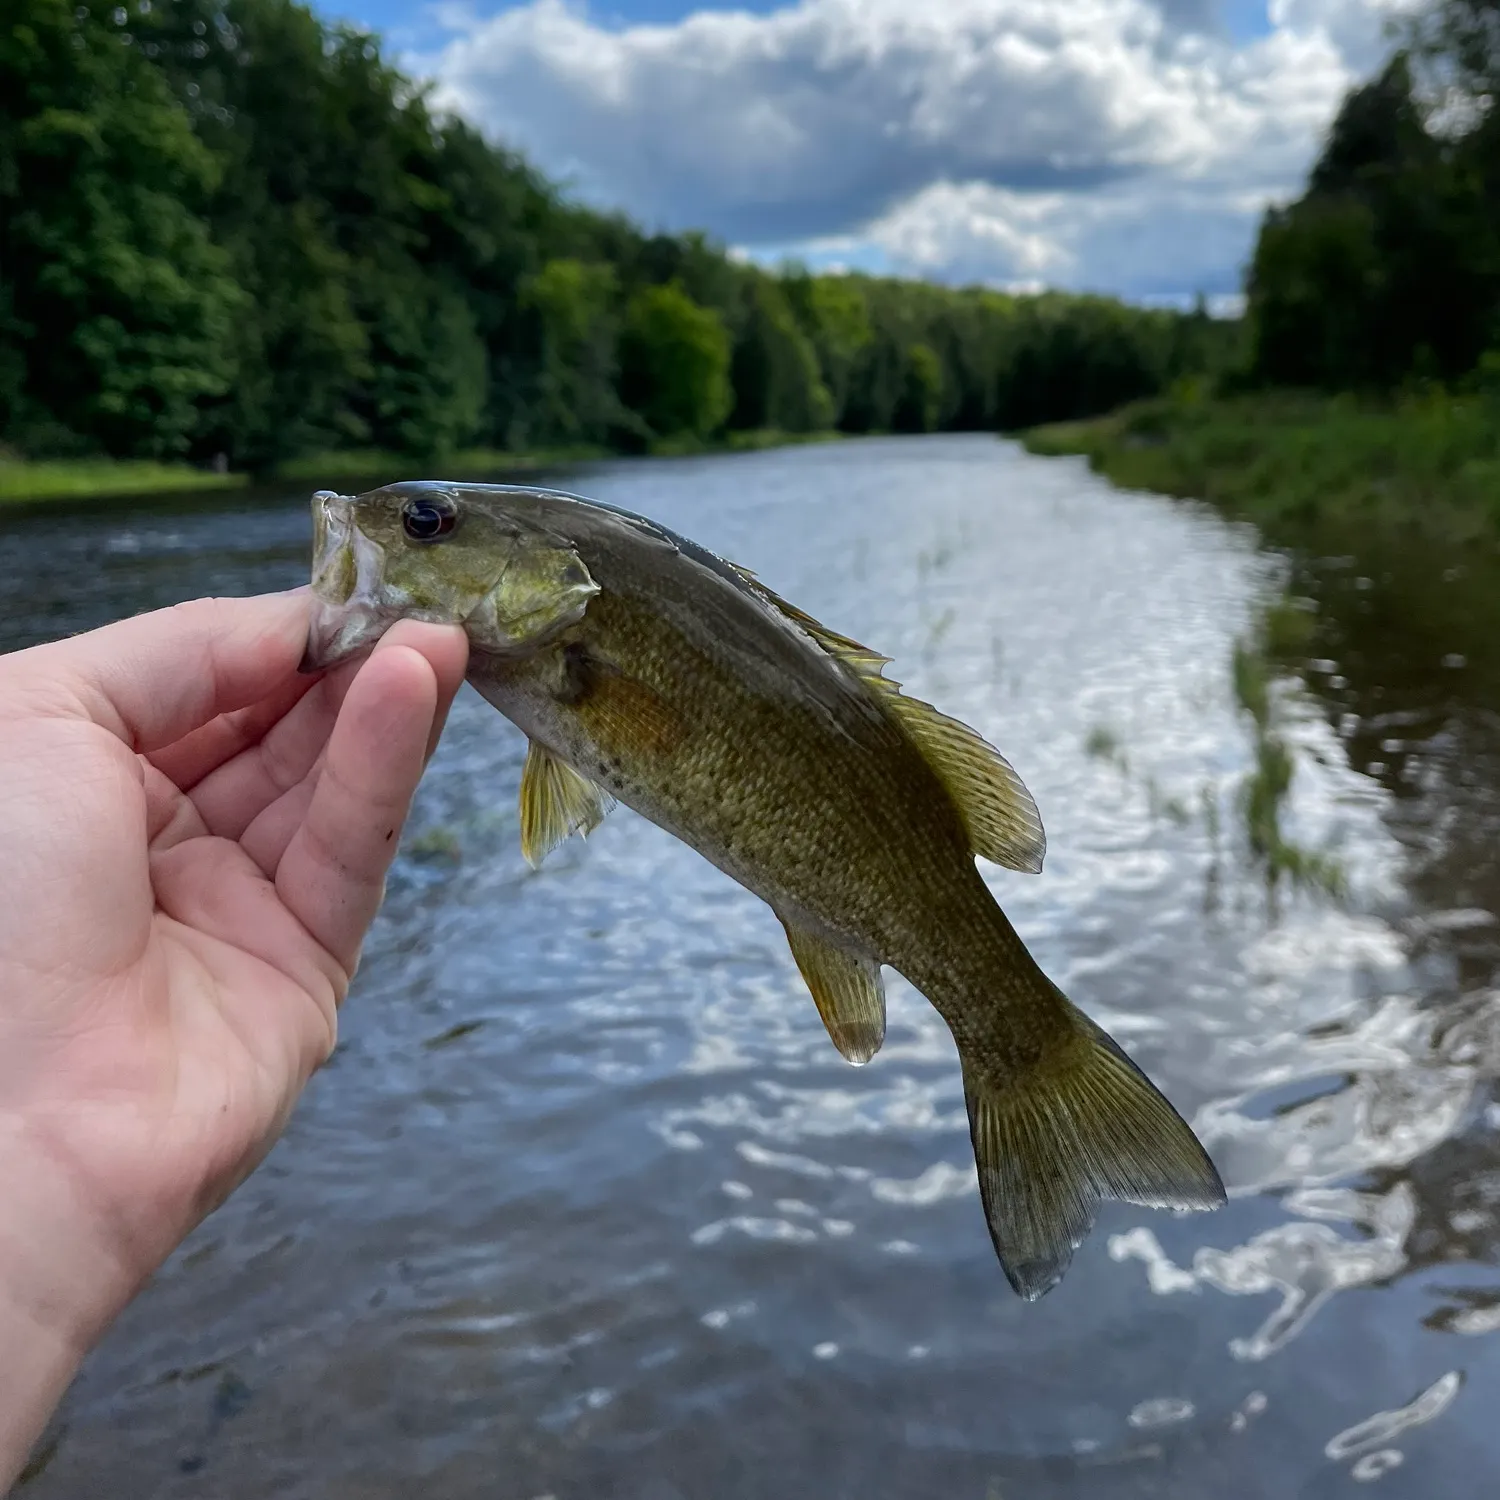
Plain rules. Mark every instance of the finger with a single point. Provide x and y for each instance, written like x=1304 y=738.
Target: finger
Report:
x=187 y=761
x=446 y=648
x=170 y=817
x=271 y=831
x=157 y=677
x=211 y=888
x=333 y=873
x=232 y=796
x=257 y=788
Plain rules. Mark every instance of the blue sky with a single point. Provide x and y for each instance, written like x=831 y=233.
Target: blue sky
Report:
x=1242 y=19
x=1127 y=146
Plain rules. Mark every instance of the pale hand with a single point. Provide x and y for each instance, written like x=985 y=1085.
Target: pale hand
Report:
x=193 y=842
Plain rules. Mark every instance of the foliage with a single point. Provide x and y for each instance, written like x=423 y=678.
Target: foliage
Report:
x=776 y=374
x=116 y=308
x=230 y=229
x=1425 y=462
x=1387 y=269
x=674 y=363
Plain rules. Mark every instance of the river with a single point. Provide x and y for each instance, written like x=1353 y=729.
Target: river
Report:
x=586 y=1205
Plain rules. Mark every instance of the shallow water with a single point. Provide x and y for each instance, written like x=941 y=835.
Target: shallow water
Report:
x=587 y=1205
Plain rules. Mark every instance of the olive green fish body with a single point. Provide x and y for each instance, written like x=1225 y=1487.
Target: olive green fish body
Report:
x=665 y=678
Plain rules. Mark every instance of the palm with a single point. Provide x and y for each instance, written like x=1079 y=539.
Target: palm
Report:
x=178 y=927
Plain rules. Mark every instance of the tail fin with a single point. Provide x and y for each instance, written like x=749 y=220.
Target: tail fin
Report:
x=1084 y=1125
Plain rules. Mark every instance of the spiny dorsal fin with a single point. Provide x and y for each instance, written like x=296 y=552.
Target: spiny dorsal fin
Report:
x=555 y=802
x=999 y=813
x=847 y=990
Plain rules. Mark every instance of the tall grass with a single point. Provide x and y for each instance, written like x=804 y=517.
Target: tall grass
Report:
x=1428 y=461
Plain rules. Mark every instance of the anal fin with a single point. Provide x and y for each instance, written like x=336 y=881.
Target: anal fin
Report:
x=847 y=991
x=555 y=802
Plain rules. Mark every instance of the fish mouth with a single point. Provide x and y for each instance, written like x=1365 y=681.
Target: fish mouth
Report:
x=339 y=632
x=345 y=572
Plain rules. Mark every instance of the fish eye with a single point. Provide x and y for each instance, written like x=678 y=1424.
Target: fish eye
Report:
x=428 y=518
x=575 y=575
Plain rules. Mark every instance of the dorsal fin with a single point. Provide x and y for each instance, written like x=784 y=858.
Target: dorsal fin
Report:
x=999 y=813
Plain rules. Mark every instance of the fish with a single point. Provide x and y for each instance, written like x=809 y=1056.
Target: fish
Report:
x=646 y=670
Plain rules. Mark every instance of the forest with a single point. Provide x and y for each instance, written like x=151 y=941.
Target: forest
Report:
x=1386 y=271
x=232 y=233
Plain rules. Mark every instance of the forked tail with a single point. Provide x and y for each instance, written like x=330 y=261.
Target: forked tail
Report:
x=1083 y=1125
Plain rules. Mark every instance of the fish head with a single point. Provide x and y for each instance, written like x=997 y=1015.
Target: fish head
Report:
x=443 y=553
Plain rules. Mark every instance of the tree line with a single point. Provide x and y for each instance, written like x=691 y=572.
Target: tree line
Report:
x=1386 y=271
x=228 y=227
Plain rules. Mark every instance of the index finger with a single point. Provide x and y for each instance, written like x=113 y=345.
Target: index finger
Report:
x=152 y=679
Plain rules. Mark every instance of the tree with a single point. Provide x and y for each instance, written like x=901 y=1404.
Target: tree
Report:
x=1389 y=264
x=921 y=391
x=833 y=314
x=119 y=310
x=674 y=363
x=775 y=373
x=574 y=303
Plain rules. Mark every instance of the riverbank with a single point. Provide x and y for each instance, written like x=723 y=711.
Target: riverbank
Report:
x=1428 y=463
x=23 y=481
x=27 y=481
x=370 y=467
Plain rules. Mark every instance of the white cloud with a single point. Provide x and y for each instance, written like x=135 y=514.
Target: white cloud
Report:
x=1118 y=144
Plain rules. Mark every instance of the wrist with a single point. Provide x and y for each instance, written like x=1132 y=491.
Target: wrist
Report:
x=60 y=1288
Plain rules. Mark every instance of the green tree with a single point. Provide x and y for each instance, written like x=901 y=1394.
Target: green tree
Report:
x=833 y=314
x=1389 y=264
x=774 y=368
x=674 y=363
x=922 y=391
x=118 y=310
x=574 y=303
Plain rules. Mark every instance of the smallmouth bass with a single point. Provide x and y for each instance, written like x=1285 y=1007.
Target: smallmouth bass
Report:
x=646 y=670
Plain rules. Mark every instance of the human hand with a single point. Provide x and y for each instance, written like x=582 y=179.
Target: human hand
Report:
x=195 y=839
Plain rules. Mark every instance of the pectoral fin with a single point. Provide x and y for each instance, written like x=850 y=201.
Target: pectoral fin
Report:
x=555 y=802
x=847 y=990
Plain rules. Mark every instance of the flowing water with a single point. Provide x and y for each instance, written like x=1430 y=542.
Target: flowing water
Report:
x=587 y=1206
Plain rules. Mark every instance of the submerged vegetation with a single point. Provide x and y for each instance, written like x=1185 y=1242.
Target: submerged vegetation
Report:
x=1261 y=668
x=1282 y=629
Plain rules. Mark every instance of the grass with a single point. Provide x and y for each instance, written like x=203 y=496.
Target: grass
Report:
x=70 y=479
x=23 y=480
x=1428 y=462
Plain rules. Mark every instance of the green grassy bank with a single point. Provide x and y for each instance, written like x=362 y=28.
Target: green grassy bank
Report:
x=1429 y=463
x=23 y=480
x=72 y=479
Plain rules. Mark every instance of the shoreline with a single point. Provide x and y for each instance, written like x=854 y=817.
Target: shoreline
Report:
x=1427 y=463
x=25 y=482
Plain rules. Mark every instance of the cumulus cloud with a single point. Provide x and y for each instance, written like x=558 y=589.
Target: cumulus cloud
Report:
x=1119 y=144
